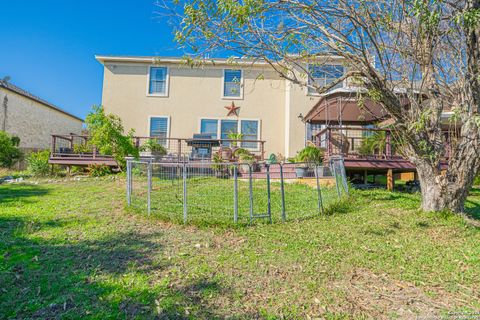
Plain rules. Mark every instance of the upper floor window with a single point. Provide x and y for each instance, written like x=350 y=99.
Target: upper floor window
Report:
x=158 y=81
x=322 y=75
x=232 y=83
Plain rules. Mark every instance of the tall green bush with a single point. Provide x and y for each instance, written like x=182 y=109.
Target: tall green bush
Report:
x=9 y=151
x=38 y=163
x=107 y=134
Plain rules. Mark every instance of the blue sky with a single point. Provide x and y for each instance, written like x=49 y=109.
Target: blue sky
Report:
x=47 y=47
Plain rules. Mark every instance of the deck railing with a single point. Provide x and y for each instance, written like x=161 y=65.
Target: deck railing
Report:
x=348 y=141
x=77 y=146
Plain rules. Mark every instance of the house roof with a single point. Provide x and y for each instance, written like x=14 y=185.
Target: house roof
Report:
x=211 y=61
x=341 y=106
x=164 y=59
x=22 y=92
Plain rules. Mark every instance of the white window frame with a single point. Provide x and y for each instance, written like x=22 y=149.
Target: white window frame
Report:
x=167 y=145
x=239 y=127
x=167 y=82
x=315 y=94
x=240 y=97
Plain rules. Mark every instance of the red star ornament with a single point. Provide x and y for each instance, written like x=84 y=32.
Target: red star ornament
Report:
x=232 y=110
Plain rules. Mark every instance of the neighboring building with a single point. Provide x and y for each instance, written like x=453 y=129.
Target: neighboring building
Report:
x=164 y=97
x=33 y=119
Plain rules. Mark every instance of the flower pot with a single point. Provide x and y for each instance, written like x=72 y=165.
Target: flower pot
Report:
x=226 y=153
x=244 y=168
x=323 y=171
x=301 y=172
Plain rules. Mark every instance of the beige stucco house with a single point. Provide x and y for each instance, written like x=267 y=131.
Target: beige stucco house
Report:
x=33 y=119
x=165 y=97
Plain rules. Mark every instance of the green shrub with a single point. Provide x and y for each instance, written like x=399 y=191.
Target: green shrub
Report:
x=107 y=134
x=9 y=151
x=98 y=170
x=310 y=154
x=38 y=163
x=154 y=146
x=82 y=148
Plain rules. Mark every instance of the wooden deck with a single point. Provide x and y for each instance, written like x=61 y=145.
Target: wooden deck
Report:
x=65 y=149
x=346 y=141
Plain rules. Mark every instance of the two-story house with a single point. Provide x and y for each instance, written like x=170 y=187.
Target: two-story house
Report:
x=164 y=97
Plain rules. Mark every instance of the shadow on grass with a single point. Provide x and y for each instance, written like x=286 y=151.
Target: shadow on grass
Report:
x=472 y=205
x=10 y=193
x=50 y=279
x=409 y=201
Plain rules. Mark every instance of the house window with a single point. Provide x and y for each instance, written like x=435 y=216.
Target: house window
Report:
x=249 y=129
x=159 y=127
x=221 y=128
x=226 y=127
x=322 y=75
x=209 y=126
x=232 y=83
x=158 y=81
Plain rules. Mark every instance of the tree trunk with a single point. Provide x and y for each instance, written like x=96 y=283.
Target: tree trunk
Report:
x=448 y=190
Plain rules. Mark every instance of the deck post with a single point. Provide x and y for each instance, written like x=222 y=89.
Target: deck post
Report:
x=329 y=141
x=137 y=142
x=54 y=142
x=262 y=150
x=390 y=180
x=365 y=176
x=388 y=145
x=179 y=148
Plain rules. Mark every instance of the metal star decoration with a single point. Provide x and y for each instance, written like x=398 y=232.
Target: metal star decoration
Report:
x=232 y=110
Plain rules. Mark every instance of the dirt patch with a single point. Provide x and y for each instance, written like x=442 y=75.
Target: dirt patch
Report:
x=380 y=297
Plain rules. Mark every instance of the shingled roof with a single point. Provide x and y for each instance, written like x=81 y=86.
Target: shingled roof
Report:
x=20 y=91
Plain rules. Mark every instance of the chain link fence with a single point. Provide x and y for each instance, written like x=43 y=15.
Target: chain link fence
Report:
x=208 y=193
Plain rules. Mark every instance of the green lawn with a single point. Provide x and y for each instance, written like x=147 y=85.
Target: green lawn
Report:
x=71 y=250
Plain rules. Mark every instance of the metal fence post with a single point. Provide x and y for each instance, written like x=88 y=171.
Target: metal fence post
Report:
x=269 y=201
x=282 y=190
x=250 y=181
x=185 y=193
x=129 y=182
x=319 y=192
x=344 y=177
x=235 y=194
x=332 y=165
x=149 y=183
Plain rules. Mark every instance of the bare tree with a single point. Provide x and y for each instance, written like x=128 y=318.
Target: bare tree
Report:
x=423 y=50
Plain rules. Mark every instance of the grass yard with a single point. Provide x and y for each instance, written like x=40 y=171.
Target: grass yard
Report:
x=71 y=250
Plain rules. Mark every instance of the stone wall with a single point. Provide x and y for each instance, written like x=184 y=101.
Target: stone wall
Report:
x=34 y=122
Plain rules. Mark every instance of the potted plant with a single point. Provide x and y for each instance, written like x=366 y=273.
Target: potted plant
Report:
x=220 y=170
x=153 y=148
x=306 y=158
x=234 y=136
x=246 y=159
